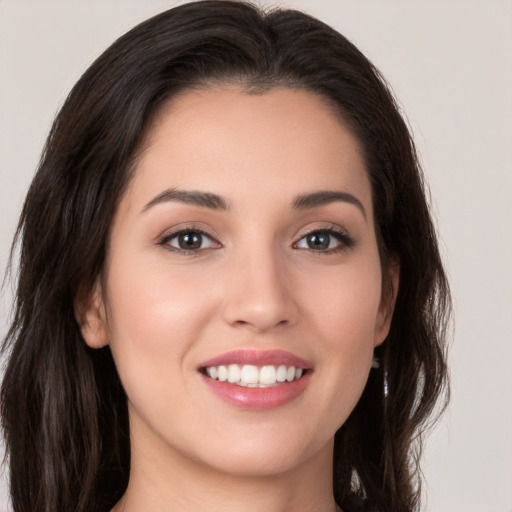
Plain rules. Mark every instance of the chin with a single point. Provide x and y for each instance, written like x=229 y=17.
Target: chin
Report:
x=266 y=451
x=244 y=463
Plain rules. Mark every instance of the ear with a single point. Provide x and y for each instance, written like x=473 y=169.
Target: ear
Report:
x=91 y=317
x=387 y=303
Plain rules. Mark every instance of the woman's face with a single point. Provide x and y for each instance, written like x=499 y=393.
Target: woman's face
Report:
x=242 y=253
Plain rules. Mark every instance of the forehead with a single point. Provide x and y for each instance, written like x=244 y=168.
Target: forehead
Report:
x=232 y=143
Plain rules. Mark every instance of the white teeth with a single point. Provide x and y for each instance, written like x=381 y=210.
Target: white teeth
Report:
x=250 y=375
x=268 y=375
x=233 y=373
x=290 y=373
x=223 y=373
x=281 y=373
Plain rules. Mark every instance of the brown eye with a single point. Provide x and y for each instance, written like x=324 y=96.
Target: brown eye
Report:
x=325 y=240
x=189 y=240
x=318 y=241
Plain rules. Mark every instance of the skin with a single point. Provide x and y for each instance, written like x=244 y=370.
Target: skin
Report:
x=254 y=283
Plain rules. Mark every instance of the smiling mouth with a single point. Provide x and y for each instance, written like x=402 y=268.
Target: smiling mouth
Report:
x=253 y=376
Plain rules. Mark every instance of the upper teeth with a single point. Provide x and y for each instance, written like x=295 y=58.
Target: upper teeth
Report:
x=252 y=376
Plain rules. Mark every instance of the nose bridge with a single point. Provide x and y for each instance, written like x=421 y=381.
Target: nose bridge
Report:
x=257 y=294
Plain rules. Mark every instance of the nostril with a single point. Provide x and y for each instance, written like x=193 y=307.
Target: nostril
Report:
x=260 y=326
x=259 y=304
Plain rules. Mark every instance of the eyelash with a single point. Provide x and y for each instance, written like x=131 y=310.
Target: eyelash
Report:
x=345 y=241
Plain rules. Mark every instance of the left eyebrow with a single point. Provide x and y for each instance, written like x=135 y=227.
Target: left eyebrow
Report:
x=323 y=197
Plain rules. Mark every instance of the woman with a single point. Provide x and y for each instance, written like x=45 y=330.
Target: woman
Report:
x=230 y=292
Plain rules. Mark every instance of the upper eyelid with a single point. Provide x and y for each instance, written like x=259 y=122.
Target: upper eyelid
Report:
x=170 y=233
x=335 y=229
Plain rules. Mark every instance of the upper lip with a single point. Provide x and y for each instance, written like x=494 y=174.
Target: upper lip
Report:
x=257 y=358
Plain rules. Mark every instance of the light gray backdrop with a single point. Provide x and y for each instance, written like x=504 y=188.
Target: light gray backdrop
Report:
x=450 y=65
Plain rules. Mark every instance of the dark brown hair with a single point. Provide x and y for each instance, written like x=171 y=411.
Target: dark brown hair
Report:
x=63 y=408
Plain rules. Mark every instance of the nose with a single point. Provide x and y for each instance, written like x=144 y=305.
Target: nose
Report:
x=258 y=295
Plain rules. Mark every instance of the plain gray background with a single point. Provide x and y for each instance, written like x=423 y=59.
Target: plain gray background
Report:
x=450 y=64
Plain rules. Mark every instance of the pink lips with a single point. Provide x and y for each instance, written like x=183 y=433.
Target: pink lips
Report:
x=257 y=398
x=258 y=358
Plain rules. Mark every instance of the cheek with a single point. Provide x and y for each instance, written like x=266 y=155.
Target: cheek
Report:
x=153 y=302
x=345 y=303
x=154 y=318
x=344 y=314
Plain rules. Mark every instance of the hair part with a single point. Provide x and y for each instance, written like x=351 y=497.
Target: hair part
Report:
x=63 y=407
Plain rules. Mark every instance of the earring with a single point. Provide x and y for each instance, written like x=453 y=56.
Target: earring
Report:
x=386 y=385
x=376 y=365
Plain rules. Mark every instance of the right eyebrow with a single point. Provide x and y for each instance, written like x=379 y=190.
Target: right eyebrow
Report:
x=195 y=197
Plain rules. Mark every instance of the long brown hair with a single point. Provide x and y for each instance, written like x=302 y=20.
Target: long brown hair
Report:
x=63 y=407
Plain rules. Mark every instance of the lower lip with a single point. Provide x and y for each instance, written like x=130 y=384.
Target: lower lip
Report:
x=258 y=398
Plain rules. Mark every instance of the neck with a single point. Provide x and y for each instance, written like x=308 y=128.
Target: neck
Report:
x=163 y=483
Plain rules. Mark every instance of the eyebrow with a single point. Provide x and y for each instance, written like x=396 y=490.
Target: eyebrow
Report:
x=197 y=198
x=324 y=197
x=216 y=202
